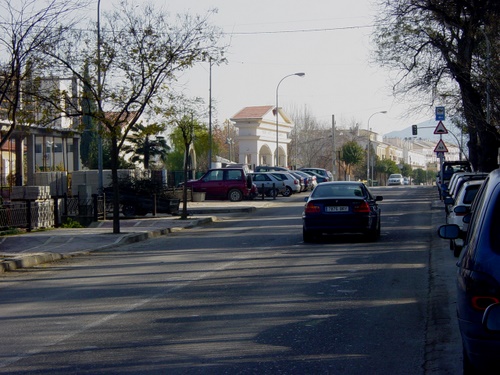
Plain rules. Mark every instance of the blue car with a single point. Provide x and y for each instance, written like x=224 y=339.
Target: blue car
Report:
x=341 y=207
x=478 y=282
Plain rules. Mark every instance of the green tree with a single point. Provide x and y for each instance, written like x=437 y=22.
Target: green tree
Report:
x=406 y=170
x=419 y=176
x=352 y=154
x=386 y=167
x=186 y=128
x=442 y=52
x=145 y=145
x=177 y=156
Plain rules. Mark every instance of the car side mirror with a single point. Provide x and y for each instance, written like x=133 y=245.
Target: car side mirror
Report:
x=449 y=231
x=491 y=318
x=449 y=201
x=467 y=218
x=379 y=198
x=461 y=210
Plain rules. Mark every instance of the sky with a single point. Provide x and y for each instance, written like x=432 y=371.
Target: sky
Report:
x=328 y=40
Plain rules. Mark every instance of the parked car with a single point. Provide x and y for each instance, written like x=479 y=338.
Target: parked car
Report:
x=319 y=178
x=268 y=184
x=449 y=168
x=459 y=178
x=478 y=276
x=234 y=184
x=269 y=168
x=292 y=184
x=406 y=181
x=301 y=179
x=459 y=207
x=395 y=179
x=309 y=180
x=341 y=207
x=327 y=175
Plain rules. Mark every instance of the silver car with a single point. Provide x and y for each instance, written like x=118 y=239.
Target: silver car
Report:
x=395 y=179
x=268 y=184
x=292 y=184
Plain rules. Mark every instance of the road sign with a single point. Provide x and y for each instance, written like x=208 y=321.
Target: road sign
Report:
x=440 y=155
x=440 y=114
x=440 y=147
x=440 y=128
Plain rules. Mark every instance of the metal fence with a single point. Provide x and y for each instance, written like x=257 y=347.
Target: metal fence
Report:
x=27 y=214
x=48 y=213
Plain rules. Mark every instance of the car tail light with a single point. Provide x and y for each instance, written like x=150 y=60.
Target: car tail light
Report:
x=311 y=208
x=296 y=182
x=482 y=302
x=362 y=207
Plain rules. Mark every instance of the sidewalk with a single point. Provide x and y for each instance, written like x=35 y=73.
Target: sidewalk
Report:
x=30 y=249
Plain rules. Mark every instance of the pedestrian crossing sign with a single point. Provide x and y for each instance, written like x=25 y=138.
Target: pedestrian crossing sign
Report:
x=441 y=147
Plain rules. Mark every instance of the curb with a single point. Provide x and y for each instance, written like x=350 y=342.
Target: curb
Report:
x=32 y=260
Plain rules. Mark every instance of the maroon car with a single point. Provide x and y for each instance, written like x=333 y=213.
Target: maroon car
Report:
x=224 y=183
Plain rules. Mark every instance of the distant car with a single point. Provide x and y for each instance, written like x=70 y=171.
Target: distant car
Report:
x=478 y=278
x=406 y=181
x=269 y=168
x=341 y=207
x=224 y=183
x=327 y=175
x=395 y=179
x=319 y=178
x=268 y=184
x=301 y=179
x=309 y=180
x=292 y=184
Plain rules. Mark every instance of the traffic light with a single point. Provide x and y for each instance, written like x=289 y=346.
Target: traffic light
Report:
x=414 y=129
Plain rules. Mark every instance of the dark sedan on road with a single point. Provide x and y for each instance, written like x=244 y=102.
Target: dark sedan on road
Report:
x=341 y=207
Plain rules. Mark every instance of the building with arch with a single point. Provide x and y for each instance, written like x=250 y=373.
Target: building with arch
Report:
x=259 y=134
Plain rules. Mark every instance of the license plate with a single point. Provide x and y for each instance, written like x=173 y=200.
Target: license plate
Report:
x=336 y=208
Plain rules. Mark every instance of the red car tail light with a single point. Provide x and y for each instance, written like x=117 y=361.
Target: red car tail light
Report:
x=311 y=208
x=482 y=302
x=363 y=207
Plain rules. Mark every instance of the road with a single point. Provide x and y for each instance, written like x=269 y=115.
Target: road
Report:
x=243 y=295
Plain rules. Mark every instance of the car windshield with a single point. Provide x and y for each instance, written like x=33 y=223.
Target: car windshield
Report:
x=395 y=176
x=323 y=191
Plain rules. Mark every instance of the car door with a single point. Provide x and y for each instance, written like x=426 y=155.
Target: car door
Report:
x=212 y=183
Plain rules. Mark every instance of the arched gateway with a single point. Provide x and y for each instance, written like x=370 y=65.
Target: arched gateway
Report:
x=260 y=136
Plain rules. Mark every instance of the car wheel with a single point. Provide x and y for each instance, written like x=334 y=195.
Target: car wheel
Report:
x=235 y=195
x=287 y=192
x=307 y=236
x=273 y=193
x=374 y=235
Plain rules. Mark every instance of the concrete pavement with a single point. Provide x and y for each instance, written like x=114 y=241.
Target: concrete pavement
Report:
x=37 y=247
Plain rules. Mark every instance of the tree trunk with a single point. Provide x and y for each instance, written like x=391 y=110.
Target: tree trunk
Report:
x=116 y=190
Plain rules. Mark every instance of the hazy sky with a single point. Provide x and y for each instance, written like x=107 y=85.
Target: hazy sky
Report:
x=328 y=40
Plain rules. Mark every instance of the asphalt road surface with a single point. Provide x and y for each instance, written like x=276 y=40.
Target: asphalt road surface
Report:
x=243 y=295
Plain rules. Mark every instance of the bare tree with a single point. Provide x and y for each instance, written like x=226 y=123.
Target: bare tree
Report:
x=26 y=27
x=138 y=56
x=442 y=53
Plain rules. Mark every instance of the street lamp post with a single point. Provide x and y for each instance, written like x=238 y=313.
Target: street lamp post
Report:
x=99 y=101
x=368 y=149
x=276 y=112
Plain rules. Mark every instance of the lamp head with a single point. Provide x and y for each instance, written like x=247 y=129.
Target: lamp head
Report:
x=300 y=74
